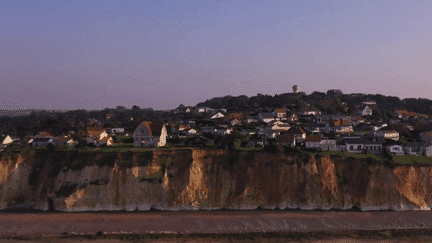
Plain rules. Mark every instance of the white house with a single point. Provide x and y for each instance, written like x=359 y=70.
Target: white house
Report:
x=191 y=132
x=367 y=111
x=217 y=115
x=354 y=146
x=150 y=134
x=280 y=126
x=117 y=130
x=387 y=134
x=395 y=149
x=203 y=109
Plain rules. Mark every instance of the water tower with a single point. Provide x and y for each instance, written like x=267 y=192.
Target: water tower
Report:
x=296 y=88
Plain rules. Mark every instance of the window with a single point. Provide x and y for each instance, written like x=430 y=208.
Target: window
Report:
x=351 y=147
x=358 y=147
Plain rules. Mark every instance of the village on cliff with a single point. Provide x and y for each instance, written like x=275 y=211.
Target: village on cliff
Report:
x=332 y=121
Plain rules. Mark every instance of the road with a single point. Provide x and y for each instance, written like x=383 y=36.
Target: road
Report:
x=195 y=222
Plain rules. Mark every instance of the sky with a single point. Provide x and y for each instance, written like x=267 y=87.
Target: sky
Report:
x=71 y=54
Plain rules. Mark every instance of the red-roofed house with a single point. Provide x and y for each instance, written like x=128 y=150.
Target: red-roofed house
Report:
x=280 y=113
x=313 y=142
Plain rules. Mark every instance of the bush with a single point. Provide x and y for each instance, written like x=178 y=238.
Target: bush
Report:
x=168 y=146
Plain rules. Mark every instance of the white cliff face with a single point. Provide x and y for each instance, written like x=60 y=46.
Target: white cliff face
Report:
x=199 y=179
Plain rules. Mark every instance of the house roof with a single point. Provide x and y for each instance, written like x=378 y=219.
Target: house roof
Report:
x=428 y=134
x=313 y=139
x=280 y=110
x=354 y=141
x=266 y=115
x=412 y=144
x=234 y=116
x=406 y=113
x=368 y=142
x=154 y=128
x=95 y=131
x=109 y=115
x=285 y=138
x=296 y=130
x=63 y=139
x=45 y=134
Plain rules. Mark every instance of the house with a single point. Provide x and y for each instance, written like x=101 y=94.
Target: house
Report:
x=248 y=120
x=266 y=117
x=373 y=147
x=64 y=141
x=366 y=111
x=95 y=133
x=298 y=133
x=43 y=135
x=176 y=129
x=328 y=144
x=108 y=141
x=40 y=142
x=286 y=140
x=117 y=130
x=292 y=117
x=108 y=116
x=426 y=138
x=395 y=149
x=313 y=142
x=203 y=109
x=217 y=115
x=387 y=134
x=358 y=120
x=268 y=133
x=279 y=126
x=223 y=131
x=343 y=129
x=189 y=110
x=412 y=148
x=208 y=129
x=150 y=134
x=255 y=143
x=307 y=111
x=404 y=114
x=191 y=132
x=235 y=122
x=369 y=102
x=427 y=150
x=354 y=146
x=280 y=114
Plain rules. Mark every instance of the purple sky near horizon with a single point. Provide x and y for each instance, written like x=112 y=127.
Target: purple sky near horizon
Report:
x=70 y=54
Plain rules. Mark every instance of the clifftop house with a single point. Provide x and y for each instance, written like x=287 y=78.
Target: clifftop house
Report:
x=149 y=134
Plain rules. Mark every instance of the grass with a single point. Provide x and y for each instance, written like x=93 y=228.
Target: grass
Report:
x=352 y=155
x=249 y=149
x=411 y=160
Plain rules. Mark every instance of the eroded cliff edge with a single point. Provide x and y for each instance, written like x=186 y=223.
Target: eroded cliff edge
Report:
x=207 y=179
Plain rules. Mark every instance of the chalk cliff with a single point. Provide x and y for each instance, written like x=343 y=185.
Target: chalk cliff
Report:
x=207 y=179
